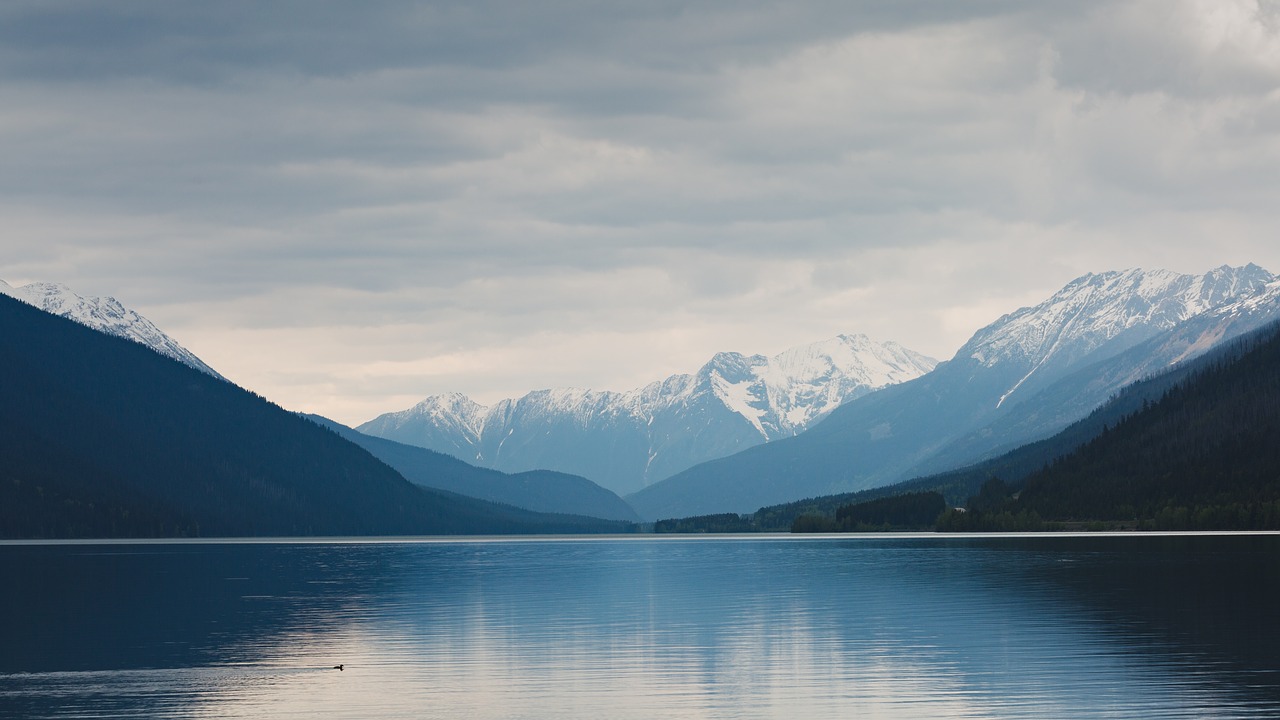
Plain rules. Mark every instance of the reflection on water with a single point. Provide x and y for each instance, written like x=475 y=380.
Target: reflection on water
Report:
x=645 y=628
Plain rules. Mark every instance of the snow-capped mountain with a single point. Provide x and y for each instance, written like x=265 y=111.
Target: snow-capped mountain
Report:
x=1103 y=313
x=1006 y=369
x=1074 y=395
x=104 y=314
x=624 y=440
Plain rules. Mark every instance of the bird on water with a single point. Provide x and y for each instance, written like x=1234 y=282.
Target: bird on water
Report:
x=337 y=667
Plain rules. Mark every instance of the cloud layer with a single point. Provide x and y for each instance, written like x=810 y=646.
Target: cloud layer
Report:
x=347 y=208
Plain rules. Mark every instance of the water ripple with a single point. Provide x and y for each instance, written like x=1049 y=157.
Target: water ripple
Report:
x=645 y=628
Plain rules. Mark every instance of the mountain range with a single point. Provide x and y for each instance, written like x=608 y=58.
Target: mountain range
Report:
x=627 y=440
x=1023 y=377
x=104 y=436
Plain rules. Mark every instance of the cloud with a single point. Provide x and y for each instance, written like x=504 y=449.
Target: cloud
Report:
x=382 y=201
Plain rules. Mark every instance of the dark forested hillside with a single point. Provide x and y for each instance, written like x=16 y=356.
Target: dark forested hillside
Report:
x=103 y=437
x=913 y=511
x=1204 y=455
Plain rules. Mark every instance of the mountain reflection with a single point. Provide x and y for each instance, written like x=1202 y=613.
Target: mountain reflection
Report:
x=933 y=627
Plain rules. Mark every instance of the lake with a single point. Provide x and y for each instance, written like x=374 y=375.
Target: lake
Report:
x=645 y=627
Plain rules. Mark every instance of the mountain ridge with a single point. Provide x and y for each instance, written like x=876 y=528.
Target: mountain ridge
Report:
x=1087 y=388
x=105 y=314
x=623 y=439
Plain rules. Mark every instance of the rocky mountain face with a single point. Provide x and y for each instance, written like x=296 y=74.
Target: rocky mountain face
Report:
x=1034 y=371
x=104 y=314
x=626 y=440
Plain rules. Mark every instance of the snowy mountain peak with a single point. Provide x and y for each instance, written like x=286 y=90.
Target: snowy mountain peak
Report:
x=732 y=365
x=105 y=314
x=455 y=410
x=784 y=394
x=451 y=401
x=1104 y=313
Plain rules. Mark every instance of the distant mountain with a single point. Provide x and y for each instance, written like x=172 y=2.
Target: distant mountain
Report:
x=539 y=490
x=104 y=438
x=625 y=440
x=891 y=434
x=104 y=314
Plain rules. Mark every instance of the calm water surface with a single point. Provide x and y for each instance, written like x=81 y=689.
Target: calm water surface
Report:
x=1031 y=627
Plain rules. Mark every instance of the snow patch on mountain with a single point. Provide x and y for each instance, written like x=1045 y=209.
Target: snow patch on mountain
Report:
x=105 y=314
x=740 y=398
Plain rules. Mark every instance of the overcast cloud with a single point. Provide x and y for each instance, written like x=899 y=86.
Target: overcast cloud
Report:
x=349 y=206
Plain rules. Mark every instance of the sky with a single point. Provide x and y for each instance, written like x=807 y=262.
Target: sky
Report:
x=347 y=207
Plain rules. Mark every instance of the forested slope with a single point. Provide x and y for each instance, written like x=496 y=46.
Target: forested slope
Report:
x=1205 y=455
x=102 y=437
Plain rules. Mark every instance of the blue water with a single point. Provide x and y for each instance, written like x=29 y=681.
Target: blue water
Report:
x=645 y=627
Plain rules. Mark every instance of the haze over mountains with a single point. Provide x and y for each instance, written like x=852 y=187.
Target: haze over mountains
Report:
x=538 y=490
x=1011 y=368
x=626 y=440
